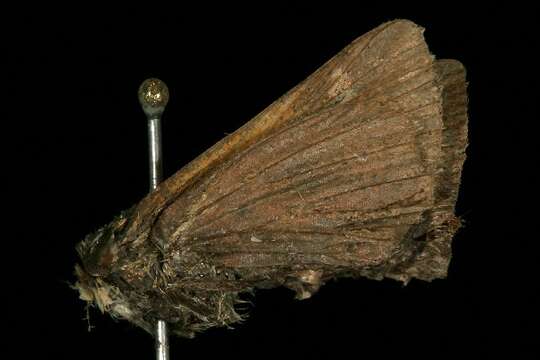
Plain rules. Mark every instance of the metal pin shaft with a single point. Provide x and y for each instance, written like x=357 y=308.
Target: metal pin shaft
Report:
x=153 y=96
x=154 y=143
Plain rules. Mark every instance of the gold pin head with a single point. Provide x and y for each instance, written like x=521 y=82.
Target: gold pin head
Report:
x=153 y=96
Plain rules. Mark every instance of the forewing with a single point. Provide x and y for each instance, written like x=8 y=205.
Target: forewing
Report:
x=347 y=174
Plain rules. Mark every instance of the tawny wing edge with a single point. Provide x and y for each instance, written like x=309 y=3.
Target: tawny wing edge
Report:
x=433 y=262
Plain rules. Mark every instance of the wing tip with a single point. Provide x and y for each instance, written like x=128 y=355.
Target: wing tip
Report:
x=404 y=23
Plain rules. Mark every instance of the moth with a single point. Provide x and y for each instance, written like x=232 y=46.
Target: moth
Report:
x=354 y=172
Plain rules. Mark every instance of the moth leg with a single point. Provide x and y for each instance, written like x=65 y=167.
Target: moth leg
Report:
x=305 y=283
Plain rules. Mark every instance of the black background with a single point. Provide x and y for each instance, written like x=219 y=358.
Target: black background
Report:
x=76 y=150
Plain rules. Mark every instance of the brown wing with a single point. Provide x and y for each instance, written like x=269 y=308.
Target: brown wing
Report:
x=346 y=180
x=358 y=71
